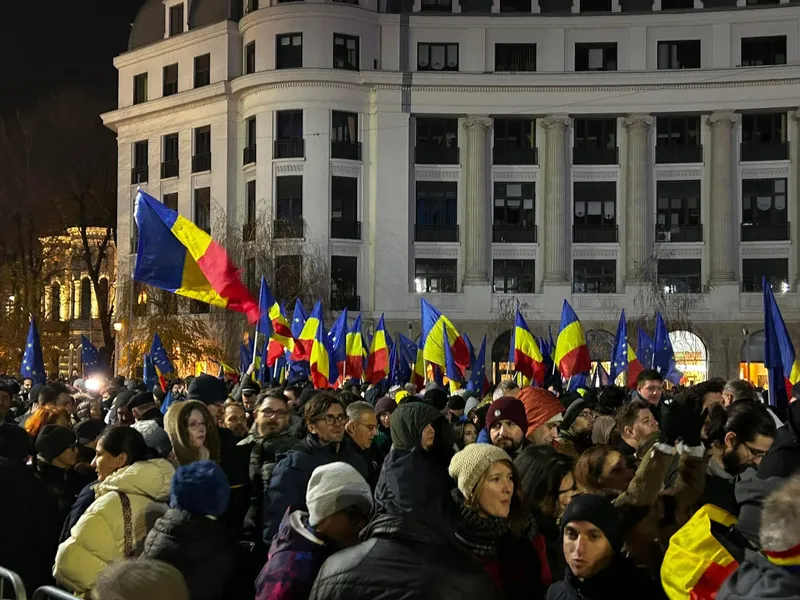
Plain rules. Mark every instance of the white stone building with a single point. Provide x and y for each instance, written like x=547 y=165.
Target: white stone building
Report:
x=486 y=150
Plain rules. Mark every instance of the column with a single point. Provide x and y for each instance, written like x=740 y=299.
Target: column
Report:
x=477 y=204
x=722 y=247
x=554 y=209
x=636 y=205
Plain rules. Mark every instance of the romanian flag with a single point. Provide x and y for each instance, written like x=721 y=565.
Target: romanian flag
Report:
x=319 y=359
x=272 y=323
x=418 y=376
x=176 y=255
x=378 y=359
x=779 y=355
x=572 y=353
x=434 y=325
x=275 y=349
x=528 y=359
x=354 y=350
x=451 y=371
x=304 y=341
x=623 y=357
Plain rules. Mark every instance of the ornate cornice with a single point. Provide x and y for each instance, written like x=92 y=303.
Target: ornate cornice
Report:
x=765 y=251
x=435 y=250
x=284 y=168
x=436 y=174
x=529 y=251
x=753 y=172
x=345 y=170
x=663 y=173
x=579 y=174
x=345 y=248
x=499 y=174
x=594 y=252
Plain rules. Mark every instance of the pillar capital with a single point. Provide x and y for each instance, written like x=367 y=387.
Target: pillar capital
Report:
x=638 y=121
x=477 y=123
x=556 y=122
x=723 y=118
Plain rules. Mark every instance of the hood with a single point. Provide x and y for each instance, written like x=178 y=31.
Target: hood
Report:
x=149 y=478
x=175 y=424
x=196 y=536
x=758 y=579
x=750 y=495
x=294 y=536
x=408 y=421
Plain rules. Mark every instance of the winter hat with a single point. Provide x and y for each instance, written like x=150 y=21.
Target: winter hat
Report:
x=15 y=443
x=208 y=389
x=598 y=511
x=385 y=404
x=468 y=465
x=408 y=421
x=88 y=430
x=141 y=399
x=471 y=404
x=123 y=398
x=572 y=413
x=33 y=395
x=507 y=408
x=251 y=387
x=53 y=440
x=456 y=403
x=333 y=488
x=436 y=397
x=155 y=437
x=201 y=488
x=400 y=396
x=541 y=407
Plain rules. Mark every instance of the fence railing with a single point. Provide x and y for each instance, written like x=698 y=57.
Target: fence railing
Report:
x=18 y=587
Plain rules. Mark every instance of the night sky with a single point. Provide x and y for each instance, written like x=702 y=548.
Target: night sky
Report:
x=49 y=45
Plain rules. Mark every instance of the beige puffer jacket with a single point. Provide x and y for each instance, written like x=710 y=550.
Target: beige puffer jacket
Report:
x=98 y=538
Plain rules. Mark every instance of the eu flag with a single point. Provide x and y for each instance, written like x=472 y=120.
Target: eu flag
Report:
x=32 y=360
x=779 y=354
x=478 y=381
x=90 y=357
x=159 y=355
x=645 y=349
x=663 y=356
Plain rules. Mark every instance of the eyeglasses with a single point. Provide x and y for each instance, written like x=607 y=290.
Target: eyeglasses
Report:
x=272 y=414
x=369 y=426
x=197 y=424
x=587 y=414
x=331 y=419
x=755 y=452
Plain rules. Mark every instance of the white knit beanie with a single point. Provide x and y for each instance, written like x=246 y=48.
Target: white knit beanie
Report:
x=468 y=465
x=333 y=488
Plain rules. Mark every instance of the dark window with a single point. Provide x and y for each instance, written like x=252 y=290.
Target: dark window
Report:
x=289 y=51
x=437 y=203
x=289 y=192
x=202 y=70
x=176 y=19
x=344 y=199
x=515 y=57
x=140 y=171
x=55 y=302
x=250 y=6
x=515 y=6
x=679 y=276
x=776 y=271
x=86 y=298
x=595 y=6
x=514 y=212
x=763 y=51
x=513 y=276
x=514 y=142
x=171 y=201
x=250 y=200
x=436 y=140
x=764 y=128
x=764 y=202
x=344 y=126
x=344 y=280
x=167 y=302
x=170 y=166
x=171 y=79
x=249 y=141
x=345 y=52
x=435 y=275
x=595 y=142
x=678 y=139
x=678 y=211
x=594 y=277
x=288 y=277
x=140 y=88
x=437 y=57
x=436 y=6
x=596 y=57
x=679 y=54
x=289 y=124
x=201 y=161
x=250 y=58
x=202 y=209
x=595 y=204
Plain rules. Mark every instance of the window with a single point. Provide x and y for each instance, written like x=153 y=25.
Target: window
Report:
x=140 y=88
x=344 y=199
x=249 y=141
x=344 y=136
x=344 y=282
x=594 y=277
x=764 y=209
x=679 y=54
x=55 y=302
x=167 y=302
x=437 y=203
x=250 y=6
x=678 y=139
x=288 y=277
x=435 y=275
x=596 y=57
x=513 y=276
x=514 y=212
x=86 y=298
x=436 y=141
x=595 y=142
x=289 y=141
x=678 y=211
x=201 y=161
x=170 y=166
x=171 y=79
x=437 y=57
x=514 y=142
x=763 y=51
x=776 y=271
x=436 y=6
x=250 y=58
x=514 y=57
x=176 y=19
x=289 y=195
x=289 y=51
x=202 y=70
x=595 y=6
x=764 y=128
x=171 y=201
x=594 y=211
x=202 y=209
x=679 y=276
x=250 y=201
x=140 y=171
x=345 y=52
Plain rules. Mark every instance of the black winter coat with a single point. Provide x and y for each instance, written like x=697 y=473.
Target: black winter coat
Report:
x=81 y=505
x=783 y=458
x=202 y=549
x=621 y=580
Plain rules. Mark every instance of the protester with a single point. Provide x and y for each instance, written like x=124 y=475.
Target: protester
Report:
x=543 y=413
x=142 y=579
x=250 y=392
x=210 y=391
x=455 y=408
x=56 y=457
x=635 y=422
x=575 y=434
x=143 y=408
x=362 y=427
x=465 y=434
x=234 y=419
x=190 y=535
x=507 y=424
x=650 y=388
x=339 y=502
x=157 y=439
x=383 y=411
x=783 y=458
x=47 y=414
x=6 y=394
x=507 y=387
x=192 y=431
x=609 y=400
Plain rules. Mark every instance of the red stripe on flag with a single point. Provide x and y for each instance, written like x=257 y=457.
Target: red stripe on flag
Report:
x=223 y=276
x=711 y=580
x=575 y=361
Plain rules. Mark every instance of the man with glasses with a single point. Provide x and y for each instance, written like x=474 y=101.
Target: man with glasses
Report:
x=362 y=427
x=576 y=429
x=325 y=442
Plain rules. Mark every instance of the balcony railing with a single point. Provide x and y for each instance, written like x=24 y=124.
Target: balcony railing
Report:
x=201 y=162
x=510 y=155
x=679 y=154
x=507 y=234
x=435 y=233
x=346 y=150
x=249 y=232
x=170 y=168
x=289 y=148
x=755 y=232
x=285 y=228
x=592 y=155
x=750 y=152
x=249 y=155
x=340 y=302
x=679 y=233
x=140 y=174
x=436 y=155
x=346 y=230
x=589 y=234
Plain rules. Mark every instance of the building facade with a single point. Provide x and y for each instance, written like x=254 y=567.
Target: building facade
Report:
x=616 y=153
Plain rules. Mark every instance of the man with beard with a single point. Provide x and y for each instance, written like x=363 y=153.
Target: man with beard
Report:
x=507 y=424
x=576 y=429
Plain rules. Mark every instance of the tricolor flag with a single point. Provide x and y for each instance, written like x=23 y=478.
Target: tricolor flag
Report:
x=779 y=354
x=378 y=358
x=528 y=359
x=418 y=376
x=572 y=353
x=354 y=352
x=304 y=341
x=319 y=359
x=623 y=358
x=276 y=349
x=176 y=255
x=434 y=325
x=272 y=323
x=451 y=370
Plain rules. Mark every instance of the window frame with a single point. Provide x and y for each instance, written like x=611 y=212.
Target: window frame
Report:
x=345 y=131
x=678 y=282
x=506 y=50
x=166 y=155
x=202 y=195
x=292 y=116
x=607 y=48
x=526 y=216
x=198 y=133
x=582 y=135
x=346 y=198
x=251 y=213
x=176 y=27
x=436 y=203
x=250 y=131
x=514 y=132
x=602 y=282
x=774 y=213
x=675 y=48
x=673 y=128
x=444 y=129
x=523 y=274
x=287 y=197
x=140 y=88
x=772 y=40
x=440 y=272
x=586 y=192
x=202 y=76
x=288 y=56
x=345 y=57
x=777 y=125
x=343 y=286
x=751 y=283
x=170 y=85
x=671 y=191
x=167 y=200
x=446 y=47
x=250 y=58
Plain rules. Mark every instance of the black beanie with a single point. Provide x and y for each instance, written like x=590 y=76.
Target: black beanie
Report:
x=436 y=397
x=53 y=440
x=88 y=430
x=572 y=413
x=456 y=403
x=598 y=511
x=208 y=389
x=15 y=443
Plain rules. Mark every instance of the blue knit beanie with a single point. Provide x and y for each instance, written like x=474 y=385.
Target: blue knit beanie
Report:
x=201 y=488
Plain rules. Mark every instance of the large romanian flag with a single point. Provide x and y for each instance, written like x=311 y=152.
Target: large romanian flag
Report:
x=378 y=358
x=528 y=359
x=304 y=341
x=272 y=323
x=319 y=359
x=354 y=350
x=434 y=324
x=572 y=353
x=176 y=255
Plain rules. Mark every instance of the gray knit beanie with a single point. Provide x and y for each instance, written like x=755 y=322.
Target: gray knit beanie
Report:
x=333 y=488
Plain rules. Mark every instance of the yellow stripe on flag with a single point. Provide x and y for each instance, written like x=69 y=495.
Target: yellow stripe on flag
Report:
x=570 y=338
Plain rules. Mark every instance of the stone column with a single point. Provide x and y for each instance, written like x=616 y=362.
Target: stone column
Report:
x=554 y=209
x=637 y=207
x=475 y=249
x=723 y=205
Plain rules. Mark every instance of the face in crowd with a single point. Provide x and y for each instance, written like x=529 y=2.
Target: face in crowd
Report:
x=249 y=399
x=506 y=434
x=739 y=455
x=644 y=425
x=584 y=422
x=235 y=419
x=272 y=417
x=586 y=549
x=496 y=491
x=545 y=435
x=651 y=390
x=197 y=427
x=329 y=427
x=363 y=429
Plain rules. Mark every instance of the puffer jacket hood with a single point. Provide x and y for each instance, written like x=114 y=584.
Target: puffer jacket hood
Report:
x=408 y=421
x=758 y=579
x=149 y=478
x=175 y=423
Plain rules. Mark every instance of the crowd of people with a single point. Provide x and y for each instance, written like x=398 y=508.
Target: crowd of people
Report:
x=231 y=491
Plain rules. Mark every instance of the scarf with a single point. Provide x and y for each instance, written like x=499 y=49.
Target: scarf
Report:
x=788 y=559
x=480 y=534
